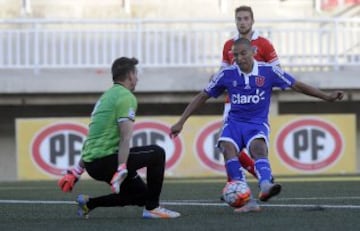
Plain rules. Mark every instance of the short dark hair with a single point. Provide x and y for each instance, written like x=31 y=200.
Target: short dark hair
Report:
x=122 y=66
x=245 y=8
x=244 y=41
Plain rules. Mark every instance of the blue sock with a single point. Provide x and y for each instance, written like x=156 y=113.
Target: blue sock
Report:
x=263 y=170
x=234 y=170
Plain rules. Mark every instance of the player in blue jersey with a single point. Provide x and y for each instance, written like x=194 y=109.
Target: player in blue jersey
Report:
x=249 y=85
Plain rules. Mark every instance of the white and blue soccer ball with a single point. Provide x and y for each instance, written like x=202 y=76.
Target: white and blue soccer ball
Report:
x=236 y=193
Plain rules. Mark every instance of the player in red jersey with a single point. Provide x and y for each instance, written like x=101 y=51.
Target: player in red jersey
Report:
x=263 y=52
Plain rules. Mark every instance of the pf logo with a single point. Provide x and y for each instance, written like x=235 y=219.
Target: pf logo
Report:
x=58 y=146
x=209 y=155
x=150 y=132
x=309 y=145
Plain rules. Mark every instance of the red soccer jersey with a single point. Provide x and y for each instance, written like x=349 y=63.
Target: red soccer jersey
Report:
x=264 y=52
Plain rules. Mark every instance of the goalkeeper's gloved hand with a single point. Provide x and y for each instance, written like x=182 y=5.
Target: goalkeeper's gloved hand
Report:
x=119 y=176
x=67 y=182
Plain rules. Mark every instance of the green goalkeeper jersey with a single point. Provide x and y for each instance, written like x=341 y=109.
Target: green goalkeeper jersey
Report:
x=116 y=104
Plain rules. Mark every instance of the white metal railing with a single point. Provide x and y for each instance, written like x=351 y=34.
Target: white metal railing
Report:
x=330 y=43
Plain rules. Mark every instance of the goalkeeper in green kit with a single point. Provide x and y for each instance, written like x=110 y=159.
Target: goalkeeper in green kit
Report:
x=107 y=156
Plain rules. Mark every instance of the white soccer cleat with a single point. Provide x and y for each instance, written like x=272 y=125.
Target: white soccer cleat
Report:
x=160 y=212
x=250 y=206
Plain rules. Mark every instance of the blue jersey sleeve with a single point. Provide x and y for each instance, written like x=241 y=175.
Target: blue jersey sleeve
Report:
x=282 y=79
x=216 y=86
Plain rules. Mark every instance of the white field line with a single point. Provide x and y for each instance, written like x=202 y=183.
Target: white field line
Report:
x=315 y=206
x=195 y=203
x=36 y=202
x=319 y=198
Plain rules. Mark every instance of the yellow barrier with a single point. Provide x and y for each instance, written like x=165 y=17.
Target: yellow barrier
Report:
x=323 y=144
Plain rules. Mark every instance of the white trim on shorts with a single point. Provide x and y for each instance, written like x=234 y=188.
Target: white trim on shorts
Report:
x=227 y=139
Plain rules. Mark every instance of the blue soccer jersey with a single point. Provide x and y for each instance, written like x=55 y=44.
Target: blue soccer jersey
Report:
x=250 y=94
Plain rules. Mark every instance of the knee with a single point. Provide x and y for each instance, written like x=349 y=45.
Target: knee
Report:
x=228 y=150
x=259 y=154
x=258 y=149
x=158 y=153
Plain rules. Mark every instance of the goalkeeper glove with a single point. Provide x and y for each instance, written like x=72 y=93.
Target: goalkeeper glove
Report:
x=67 y=182
x=118 y=178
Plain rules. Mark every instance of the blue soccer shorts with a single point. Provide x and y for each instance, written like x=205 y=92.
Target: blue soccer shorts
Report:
x=240 y=134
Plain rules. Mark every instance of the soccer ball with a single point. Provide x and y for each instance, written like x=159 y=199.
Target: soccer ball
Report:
x=236 y=193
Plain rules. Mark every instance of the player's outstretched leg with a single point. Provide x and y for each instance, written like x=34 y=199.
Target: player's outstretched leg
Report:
x=160 y=212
